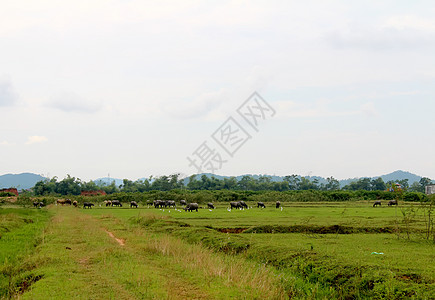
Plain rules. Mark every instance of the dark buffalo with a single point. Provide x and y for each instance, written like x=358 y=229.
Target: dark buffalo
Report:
x=243 y=204
x=108 y=203
x=75 y=203
x=278 y=204
x=191 y=207
x=38 y=204
x=68 y=201
x=210 y=205
x=133 y=203
x=235 y=205
x=392 y=202
x=261 y=204
x=116 y=203
x=377 y=203
x=88 y=205
x=183 y=202
x=159 y=203
x=170 y=203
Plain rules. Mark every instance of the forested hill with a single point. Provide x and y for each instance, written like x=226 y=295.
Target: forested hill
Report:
x=28 y=180
x=394 y=176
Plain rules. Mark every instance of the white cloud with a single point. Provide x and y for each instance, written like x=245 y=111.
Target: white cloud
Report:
x=71 y=102
x=404 y=22
x=198 y=107
x=6 y=143
x=7 y=93
x=35 y=139
x=320 y=109
x=395 y=32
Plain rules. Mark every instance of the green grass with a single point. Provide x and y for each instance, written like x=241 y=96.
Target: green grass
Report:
x=311 y=263
x=82 y=261
x=20 y=233
x=275 y=254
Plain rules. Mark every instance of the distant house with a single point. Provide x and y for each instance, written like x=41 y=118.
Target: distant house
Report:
x=93 y=193
x=430 y=189
x=10 y=190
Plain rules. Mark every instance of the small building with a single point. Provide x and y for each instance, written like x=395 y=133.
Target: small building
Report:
x=93 y=193
x=10 y=190
x=430 y=189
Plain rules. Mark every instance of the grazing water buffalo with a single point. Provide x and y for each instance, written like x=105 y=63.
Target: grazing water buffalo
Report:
x=75 y=203
x=183 y=202
x=278 y=204
x=261 y=204
x=108 y=203
x=243 y=204
x=133 y=203
x=170 y=203
x=191 y=207
x=38 y=204
x=392 y=202
x=210 y=205
x=159 y=203
x=377 y=203
x=116 y=203
x=235 y=205
x=88 y=205
x=63 y=201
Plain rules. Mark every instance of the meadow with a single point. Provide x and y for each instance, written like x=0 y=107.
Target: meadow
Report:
x=335 y=250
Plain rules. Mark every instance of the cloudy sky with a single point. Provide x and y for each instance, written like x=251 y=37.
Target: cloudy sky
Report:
x=132 y=88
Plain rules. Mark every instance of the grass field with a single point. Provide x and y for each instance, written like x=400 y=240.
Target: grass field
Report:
x=304 y=251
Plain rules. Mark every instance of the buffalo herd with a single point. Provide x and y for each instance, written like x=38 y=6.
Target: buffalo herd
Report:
x=172 y=204
x=390 y=203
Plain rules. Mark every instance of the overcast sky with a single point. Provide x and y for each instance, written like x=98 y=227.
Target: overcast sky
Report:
x=132 y=88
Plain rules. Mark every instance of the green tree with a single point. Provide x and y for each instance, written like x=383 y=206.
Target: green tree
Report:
x=378 y=184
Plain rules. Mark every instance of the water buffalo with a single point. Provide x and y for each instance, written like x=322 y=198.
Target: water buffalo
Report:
x=210 y=205
x=159 y=203
x=392 y=202
x=75 y=203
x=278 y=204
x=191 y=207
x=108 y=203
x=116 y=203
x=235 y=205
x=377 y=203
x=183 y=202
x=38 y=204
x=88 y=205
x=63 y=201
x=261 y=204
x=243 y=204
x=133 y=203
x=170 y=203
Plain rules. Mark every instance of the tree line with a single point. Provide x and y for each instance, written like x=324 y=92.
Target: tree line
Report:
x=74 y=186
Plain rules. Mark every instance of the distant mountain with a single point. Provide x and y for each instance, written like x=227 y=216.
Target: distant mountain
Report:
x=20 y=181
x=400 y=175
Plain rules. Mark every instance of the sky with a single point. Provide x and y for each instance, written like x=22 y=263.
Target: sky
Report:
x=133 y=88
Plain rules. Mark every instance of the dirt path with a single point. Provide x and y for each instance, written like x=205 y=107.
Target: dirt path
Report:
x=121 y=242
x=79 y=258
